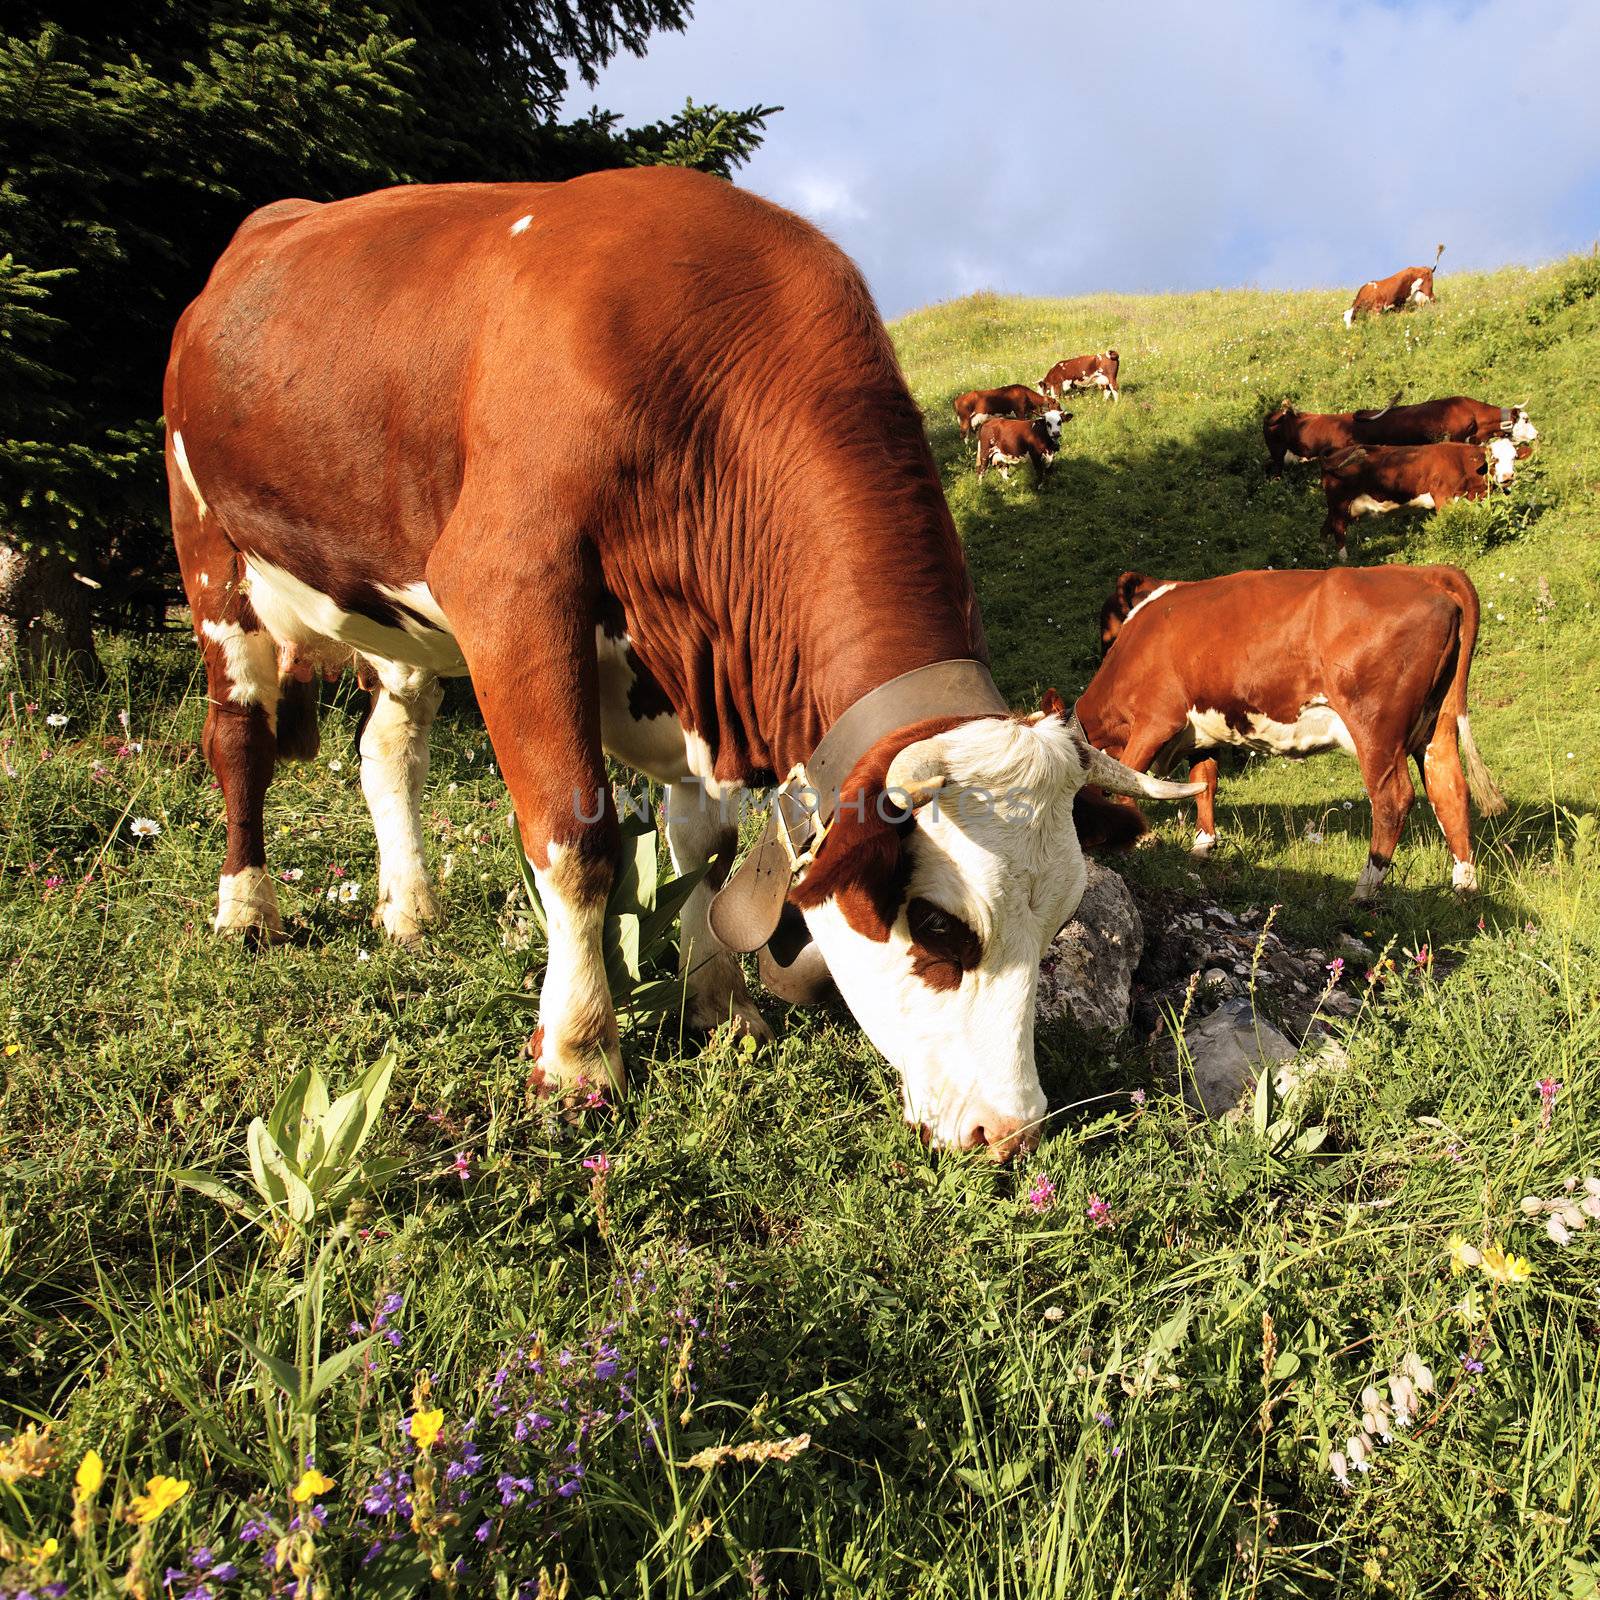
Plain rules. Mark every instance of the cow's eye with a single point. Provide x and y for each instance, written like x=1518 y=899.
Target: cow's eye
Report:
x=943 y=946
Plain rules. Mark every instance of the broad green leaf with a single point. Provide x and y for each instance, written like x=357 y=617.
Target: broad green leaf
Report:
x=529 y=886
x=341 y=1127
x=330 y=1371
x=214 y=1189
x=283 y=1373
x=313 y=1109
x=297 y=1198
x=269 y=1185
x=670 y=898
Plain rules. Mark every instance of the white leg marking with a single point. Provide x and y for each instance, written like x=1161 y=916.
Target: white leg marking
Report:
x=695 y=830
x=1203 y=842
x=1368 y=884
x=247 y=900
x=251 y=662
x=575 y=999
x=1464 y=877
x=394 y=766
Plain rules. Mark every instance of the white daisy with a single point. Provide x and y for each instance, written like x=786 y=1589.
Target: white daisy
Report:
x=336 y=766
x=349 y=892
x=58 y=719
x=144 y=827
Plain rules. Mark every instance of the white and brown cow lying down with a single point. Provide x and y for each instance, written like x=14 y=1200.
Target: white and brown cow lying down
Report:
x=1084 y=372
x=1369 y=660
x=1379 y=478
x=355 y=472
x=1294 y=436
x=976 y=406
x=1007 y=442
x=1411 y=286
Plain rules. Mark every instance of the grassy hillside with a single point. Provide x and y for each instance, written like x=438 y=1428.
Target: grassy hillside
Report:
x=1119 y=1370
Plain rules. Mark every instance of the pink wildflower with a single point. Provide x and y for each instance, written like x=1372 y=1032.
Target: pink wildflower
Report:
x=1041 y=1193
x=463 y=1164
x=1335 y=970
x=1422 y=958
x=598 y=1164
x=1098 y=1212
x=1548 y=1090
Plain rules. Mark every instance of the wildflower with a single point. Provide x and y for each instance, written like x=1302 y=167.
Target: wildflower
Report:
x=1340 y=1469
x=599 y=1164
x=1417 y=1370
x=253 y=1530
x=1470 y=1363
x=1042 y=1193
x=41 y=1553
x=1098 y=1212
x=1335 y=969
x=1403 y=1398
x=1422 y=958
x=1499 y=1267
x=463 y=1164
x=336 y=766
x=1137 y=1097
x=292 y=874
x=425 y=1426
x=349 y=891
x=225 y=1572
x=90 y=1475
x=1355 y=1448
x=57 y=719
x=1463 y=1256
x=1548 y=1090
x=161 y=1493
x=1557 y=1231
x=144 y=827
x=311 y=1484
x=1104 y=1419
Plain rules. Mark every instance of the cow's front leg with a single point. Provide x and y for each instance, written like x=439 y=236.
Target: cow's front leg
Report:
x=528 y=641
x=697 y=830
x=1334 y=527
x=1205 y=805
x=1389 y=788
x=394 y=766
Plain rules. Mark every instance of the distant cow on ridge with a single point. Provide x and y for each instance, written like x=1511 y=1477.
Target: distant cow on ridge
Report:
x=1378 y=478
x=1371 y=660
x=1410 y=286
x=1084 y=372
x=976 y=406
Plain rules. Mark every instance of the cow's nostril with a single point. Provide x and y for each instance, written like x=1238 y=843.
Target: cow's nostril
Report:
x=974 y=1138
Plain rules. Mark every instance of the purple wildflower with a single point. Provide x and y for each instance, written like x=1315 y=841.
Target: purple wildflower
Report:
x=1098 y=1212
x=1042 y=1193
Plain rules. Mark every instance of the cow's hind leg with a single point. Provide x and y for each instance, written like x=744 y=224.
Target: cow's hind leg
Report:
x=394 y=766
x=1389 y=788
x=697 y=830
x=240 y=734
x=1205 y=806
x=1446 y=785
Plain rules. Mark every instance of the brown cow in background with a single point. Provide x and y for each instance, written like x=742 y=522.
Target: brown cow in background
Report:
x=1084 y=372
x=1410 y=286
x=1372 y=661
x=976 y=406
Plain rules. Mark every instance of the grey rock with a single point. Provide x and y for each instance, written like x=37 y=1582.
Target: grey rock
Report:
x=1087 y=973
x=1227 y=1051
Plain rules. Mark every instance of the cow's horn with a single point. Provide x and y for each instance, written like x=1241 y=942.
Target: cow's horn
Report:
x=918 y=772
x=1116 y=778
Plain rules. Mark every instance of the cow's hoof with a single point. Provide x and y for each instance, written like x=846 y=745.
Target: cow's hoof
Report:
x=247 y=907
x=405 y=918
x=1204 y=844
x=575 y=1069
x=1464 y=878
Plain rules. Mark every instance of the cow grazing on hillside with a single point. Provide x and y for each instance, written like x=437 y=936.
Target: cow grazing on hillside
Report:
x=1007 y=442
x=1457 y=419
x=1369 y=660
x=1294 y=436
x=688 y=563
x=1084 y=372
x=1412 y=286
x=976 y=406
x=1378 y=478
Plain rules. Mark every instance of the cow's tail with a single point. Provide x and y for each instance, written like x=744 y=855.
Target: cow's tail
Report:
x=1436 y=254
x=1486 y=795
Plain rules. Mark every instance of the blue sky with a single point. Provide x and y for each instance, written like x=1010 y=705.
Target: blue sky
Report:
x=1058 y=149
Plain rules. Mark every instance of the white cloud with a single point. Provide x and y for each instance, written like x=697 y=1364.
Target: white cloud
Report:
x=1164 y=146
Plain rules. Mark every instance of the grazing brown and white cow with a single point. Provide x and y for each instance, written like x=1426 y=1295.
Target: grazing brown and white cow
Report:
x=1084 y=372
x=1007 y=442
x=1457 y=419
x=688 y=563
x=1294 y=436
x=1369 y=660
x=976 y=406
x=1412 y=286
x=1378 y=478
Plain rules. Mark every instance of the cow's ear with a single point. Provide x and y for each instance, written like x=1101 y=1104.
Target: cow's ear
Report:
x=1053 y=705
x=860 y=864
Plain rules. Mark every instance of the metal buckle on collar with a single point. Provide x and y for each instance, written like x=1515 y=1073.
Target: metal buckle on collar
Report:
x=799 y=860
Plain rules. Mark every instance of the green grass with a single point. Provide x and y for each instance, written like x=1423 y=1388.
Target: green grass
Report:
x=1000 y=1400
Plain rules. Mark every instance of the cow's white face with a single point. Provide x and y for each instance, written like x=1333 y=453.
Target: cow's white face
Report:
x=1502 y=460
x=1522 y=431
x=1052 y=425
x=941 y=973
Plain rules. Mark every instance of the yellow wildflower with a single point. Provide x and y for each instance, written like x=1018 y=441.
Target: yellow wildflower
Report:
x=425 y=1426
x=43 y=1552
x=1462 y=1255
x=1499 y=1267
x=90 y=1475
x=13 y=1049
x=161 y=1493
x=311 y=1484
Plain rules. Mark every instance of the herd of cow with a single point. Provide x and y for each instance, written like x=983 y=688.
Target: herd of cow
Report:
x=695 y=564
